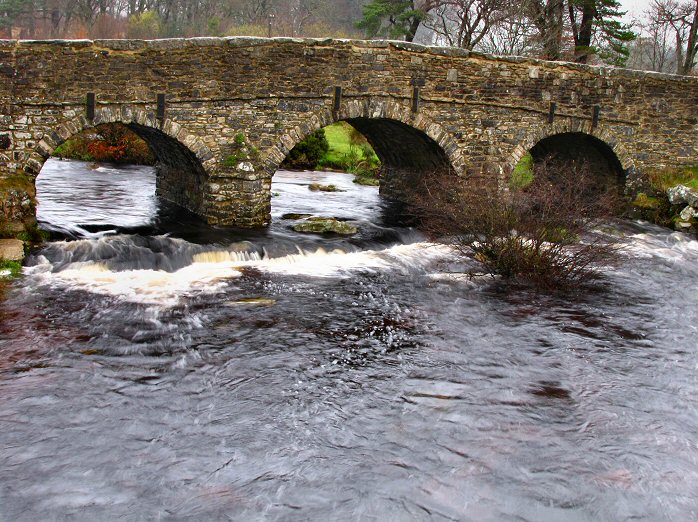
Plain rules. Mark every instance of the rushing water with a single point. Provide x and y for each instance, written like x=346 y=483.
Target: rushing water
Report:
x=214 y=375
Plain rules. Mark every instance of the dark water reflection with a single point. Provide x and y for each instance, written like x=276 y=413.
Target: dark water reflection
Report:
x=345 y=386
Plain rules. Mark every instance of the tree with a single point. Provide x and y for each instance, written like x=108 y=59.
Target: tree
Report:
x=596 y=30
x=144 y=25
x=464 y=23
x=548 y=18
x=14 y=11
x=512 y=35
x=307 y=153
x=397 y=19
x=681 y=18
x=653 y=49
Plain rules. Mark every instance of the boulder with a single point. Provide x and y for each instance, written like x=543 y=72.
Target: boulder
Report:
x=682 y=195
x=11 y=249
x=324 y=225
x=688 y=213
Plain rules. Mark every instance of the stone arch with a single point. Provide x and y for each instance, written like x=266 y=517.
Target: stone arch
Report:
x=182 y=158
x=367 y=110
x=571 y=126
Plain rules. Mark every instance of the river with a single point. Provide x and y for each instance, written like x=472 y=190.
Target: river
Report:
x=171 y=370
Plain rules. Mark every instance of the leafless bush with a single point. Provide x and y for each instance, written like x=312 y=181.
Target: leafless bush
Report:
x=528 y=235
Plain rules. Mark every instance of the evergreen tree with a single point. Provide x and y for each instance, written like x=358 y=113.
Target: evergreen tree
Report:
x=396 y=19
x=596 y=29
x=11 y=10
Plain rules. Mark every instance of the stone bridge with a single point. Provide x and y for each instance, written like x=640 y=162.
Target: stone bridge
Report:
x=221 y=114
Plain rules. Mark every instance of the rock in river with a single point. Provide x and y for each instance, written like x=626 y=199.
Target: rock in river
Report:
x=324 y=225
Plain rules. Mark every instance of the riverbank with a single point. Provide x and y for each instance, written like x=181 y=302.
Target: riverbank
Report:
x=9 y=270
x=670 y=200
x=113 y=143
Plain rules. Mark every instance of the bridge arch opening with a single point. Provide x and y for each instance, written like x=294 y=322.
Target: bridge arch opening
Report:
x=404 y=151
x=134 y=160
x=378 y=151
x=569 y=151
x=388 y=152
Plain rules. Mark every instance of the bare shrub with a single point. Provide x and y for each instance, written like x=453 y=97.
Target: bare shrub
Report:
x=528 y=235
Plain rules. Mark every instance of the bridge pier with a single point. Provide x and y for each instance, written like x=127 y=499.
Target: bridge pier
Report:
x=239 y=199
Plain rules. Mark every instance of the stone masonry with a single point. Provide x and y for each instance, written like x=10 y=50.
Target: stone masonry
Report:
x=222 y=113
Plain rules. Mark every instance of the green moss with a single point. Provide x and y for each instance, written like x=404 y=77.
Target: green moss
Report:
x=522 y=175
x=18 y=181
x=655 y=206
x=33 y=234
x=232 y=160
x=240 y=138
x=324 y=188
x=367 y=180
x=643 y=201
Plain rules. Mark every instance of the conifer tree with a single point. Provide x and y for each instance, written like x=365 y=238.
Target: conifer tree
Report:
x=596 y=29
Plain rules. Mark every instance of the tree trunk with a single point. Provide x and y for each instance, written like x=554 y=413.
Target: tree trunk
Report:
x=691 y=46
x=552 y=29
x=412 y=31
x=582 y=44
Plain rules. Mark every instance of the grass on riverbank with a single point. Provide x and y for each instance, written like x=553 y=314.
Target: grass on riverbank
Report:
x=665 y=179
x=654 y=205
x=10 y=269
x=350 y=152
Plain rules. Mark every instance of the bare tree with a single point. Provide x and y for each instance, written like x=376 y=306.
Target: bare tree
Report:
x=514 y=34
x=528 y=234
x=464 y=23
x=681 y=18
x=653 y=50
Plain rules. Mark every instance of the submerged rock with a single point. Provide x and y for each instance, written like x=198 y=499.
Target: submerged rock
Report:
x=324 y=188
x=252 y=301
x=295 y=215
x=324 y=225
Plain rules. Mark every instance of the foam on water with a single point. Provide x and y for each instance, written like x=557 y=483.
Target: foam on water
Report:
x=210 y=270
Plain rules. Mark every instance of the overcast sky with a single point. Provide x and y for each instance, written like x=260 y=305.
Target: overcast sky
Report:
x=635 y=7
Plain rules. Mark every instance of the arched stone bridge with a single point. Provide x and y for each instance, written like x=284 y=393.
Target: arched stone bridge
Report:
x=222 y=113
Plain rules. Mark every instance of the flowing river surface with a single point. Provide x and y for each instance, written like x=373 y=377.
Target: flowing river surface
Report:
x=212 y=374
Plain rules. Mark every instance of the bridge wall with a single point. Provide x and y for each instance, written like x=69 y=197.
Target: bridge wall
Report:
x=236 y=106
